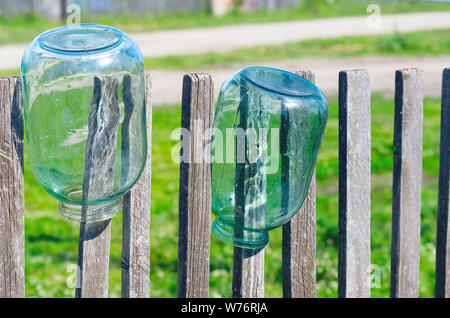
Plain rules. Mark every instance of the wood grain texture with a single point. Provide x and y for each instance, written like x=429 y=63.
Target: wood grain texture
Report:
x=98 y=181
x=93 y=259
x=195 y=187
x=354 y=184
x=407 y=181
x=136 y=209
x=299 y=241
x=442 y=287
x=12 y=231
x=248 y=273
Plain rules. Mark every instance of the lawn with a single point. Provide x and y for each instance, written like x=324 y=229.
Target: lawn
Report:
x=424 y=43
x=51 y=242
x=25 y=28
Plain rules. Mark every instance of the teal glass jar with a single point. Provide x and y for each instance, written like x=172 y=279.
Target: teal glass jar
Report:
x=84 y=109
x=268 y=127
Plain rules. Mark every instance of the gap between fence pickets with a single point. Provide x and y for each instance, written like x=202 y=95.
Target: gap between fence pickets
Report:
x=354 y=184
x=442 y=285
x=12 y=231
x=407 y=180
x=195 y=188
x=299 y=240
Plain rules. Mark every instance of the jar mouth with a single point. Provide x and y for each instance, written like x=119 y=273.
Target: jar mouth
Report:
x=80 y=38
x=278 y=81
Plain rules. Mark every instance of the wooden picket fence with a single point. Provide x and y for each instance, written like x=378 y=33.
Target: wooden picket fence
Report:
x=299 y=235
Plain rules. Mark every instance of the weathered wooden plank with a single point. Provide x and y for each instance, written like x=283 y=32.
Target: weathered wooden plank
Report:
x=299 y=241
x=136 y=208
x=354 y=184
x=251 y=182
x=98 y=181
x=93 y=260
x=12 y=231
x=407 y=181
x=248 y=273
x=195 y=187
x=442 y=287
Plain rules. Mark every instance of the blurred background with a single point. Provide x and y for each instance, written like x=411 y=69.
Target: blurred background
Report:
x=220 y=37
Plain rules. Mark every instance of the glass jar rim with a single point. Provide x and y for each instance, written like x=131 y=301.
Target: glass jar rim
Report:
x=80 y=39
x=301 y=86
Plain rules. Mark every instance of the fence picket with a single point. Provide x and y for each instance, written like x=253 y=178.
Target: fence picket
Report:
x=354 y=184
x=93 y=260
x=299 y=242
x=407 y=180
x=12 y=231
x=195 y=188
x=442 y=288
x=93 y=250
x=136 y=219
x=248 y=273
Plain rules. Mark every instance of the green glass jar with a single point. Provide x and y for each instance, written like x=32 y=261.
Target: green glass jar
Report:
x=268 y=126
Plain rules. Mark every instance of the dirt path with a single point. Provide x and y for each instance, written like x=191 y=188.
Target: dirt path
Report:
x=167 y=84
x=226 y=38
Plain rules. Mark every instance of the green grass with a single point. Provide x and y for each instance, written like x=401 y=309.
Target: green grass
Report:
x=423 y=43
x=14 y=72
x=24 y=29
x=51 y=242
